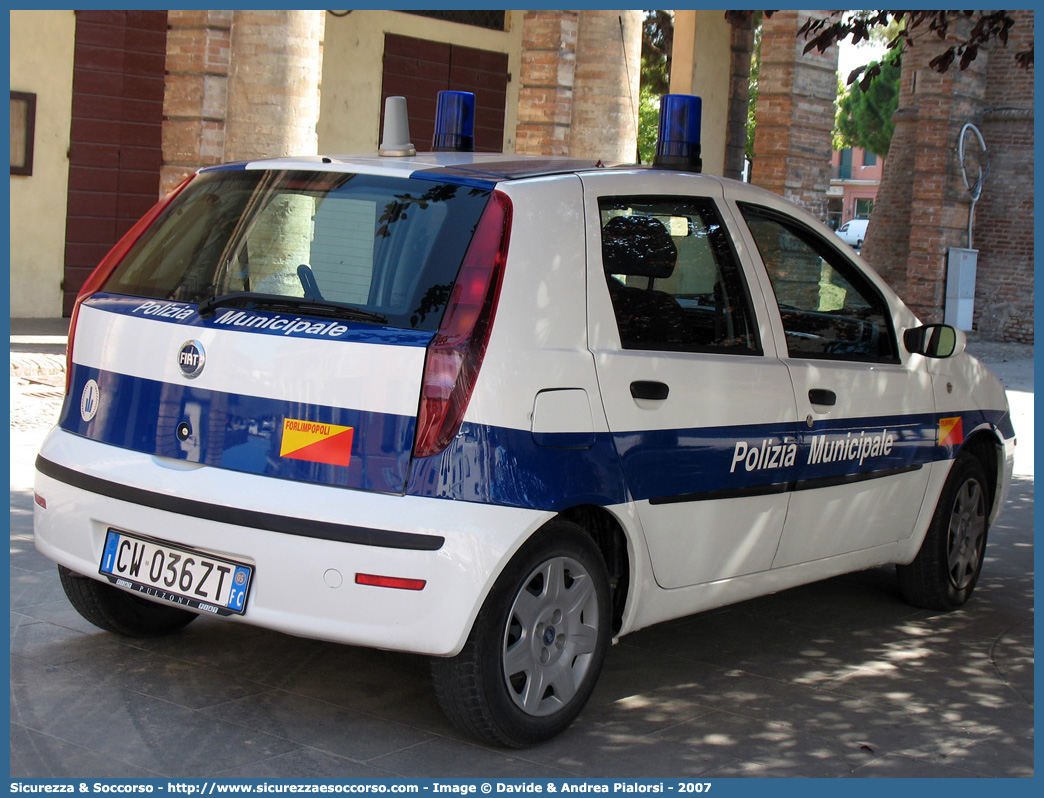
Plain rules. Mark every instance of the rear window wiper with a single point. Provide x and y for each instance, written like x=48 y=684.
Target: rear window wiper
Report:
x=316 y=307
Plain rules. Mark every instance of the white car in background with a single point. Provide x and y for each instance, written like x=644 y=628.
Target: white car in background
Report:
x=853 y=232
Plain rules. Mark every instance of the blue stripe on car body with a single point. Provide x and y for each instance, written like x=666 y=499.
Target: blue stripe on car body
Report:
x=503 y=466
x=238 y=431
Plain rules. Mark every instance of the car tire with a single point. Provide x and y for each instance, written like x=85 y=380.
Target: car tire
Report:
x=947 y=568
x=859 y=244
x=120 y=612
x=537 y=645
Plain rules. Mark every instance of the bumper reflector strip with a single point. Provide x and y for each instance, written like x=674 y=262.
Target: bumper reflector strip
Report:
x=390 y=581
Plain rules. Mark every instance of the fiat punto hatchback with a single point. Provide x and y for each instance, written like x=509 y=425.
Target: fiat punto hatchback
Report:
x=501 y=411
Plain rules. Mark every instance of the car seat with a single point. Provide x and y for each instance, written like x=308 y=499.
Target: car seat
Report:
x=636 y=247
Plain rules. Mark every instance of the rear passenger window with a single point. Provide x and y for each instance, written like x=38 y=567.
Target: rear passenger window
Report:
x=673 y=278
x=829 y=309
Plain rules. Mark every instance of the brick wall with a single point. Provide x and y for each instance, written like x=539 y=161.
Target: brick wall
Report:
x=1003 y=231
x=198 y=49
x=578 y=90
x=604 y=120
x=795 y=114
x=923 y=202
x=545 y=97
x=1003 y=227
x=240 y=84
x=888 y=235
x=273 y=84
x=923 y=205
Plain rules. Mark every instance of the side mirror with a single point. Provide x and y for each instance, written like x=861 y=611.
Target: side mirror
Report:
x=934 y=340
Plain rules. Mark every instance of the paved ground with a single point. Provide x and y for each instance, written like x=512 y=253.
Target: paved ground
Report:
x=835 y=679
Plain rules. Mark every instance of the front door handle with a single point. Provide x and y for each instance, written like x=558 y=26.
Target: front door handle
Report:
x=649 y=389
x=821 y=396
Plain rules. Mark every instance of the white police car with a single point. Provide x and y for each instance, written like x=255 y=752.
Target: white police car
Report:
x=502 y=410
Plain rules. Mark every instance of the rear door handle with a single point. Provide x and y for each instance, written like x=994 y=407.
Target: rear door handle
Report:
x=821 y=396
x=649 y=389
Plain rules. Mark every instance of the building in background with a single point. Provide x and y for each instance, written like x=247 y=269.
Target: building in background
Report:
x=855 y=176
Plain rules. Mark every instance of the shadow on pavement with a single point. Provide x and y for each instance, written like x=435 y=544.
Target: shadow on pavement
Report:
x=839 y=678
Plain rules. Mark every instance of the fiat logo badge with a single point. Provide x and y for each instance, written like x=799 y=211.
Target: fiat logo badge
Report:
x=191 y=359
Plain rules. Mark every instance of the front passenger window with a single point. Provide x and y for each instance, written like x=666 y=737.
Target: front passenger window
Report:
x=829 y=310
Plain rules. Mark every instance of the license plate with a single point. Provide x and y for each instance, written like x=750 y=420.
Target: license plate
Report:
x=190 y=578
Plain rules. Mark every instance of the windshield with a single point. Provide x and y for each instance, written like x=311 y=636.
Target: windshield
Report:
x=388 y=246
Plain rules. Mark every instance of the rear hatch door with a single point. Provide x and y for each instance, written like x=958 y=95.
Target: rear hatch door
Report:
x=276 y=323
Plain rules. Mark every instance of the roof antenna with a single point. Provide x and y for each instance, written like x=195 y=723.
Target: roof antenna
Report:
x=396 y=140
x=634 y=114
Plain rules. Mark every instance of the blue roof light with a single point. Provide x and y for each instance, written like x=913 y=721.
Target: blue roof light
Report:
x=678 y=138
x=454 y=122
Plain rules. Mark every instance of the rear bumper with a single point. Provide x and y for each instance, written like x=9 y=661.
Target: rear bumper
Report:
x=306 y=542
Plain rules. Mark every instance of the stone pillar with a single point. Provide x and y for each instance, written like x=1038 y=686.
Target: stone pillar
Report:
x=795 y=114
x=273 y=87
x=195 y=93
x=922 y=206
x=702 y=63
x=604 y=122
x=545 y=96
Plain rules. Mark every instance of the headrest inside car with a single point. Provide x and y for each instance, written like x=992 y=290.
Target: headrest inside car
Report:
x=638 y=246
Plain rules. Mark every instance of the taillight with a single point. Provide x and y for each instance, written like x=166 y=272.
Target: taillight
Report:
x=104 y=269
x=455 y=353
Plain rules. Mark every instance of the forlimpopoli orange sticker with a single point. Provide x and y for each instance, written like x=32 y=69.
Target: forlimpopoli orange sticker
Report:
x=951 y=431
x=316 y=442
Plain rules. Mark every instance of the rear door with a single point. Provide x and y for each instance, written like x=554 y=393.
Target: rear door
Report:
x=700 y=415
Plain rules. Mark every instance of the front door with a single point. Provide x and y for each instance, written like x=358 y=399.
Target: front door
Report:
x=869 y=423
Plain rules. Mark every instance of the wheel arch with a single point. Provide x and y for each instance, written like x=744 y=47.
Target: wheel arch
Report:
x=989 y=451
x=608 y=534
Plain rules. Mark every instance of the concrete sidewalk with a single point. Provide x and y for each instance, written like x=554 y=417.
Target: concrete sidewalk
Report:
x=836 y=679
x=38 y=347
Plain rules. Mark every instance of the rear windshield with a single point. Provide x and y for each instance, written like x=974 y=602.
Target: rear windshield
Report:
x=390 y=246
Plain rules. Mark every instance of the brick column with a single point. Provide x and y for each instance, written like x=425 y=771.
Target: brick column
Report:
x=1003 y=232
x=922 y=206
x=795 y=114
x=887 y=241
x=604 y=120
x=195 y=93
x=273 y=87
x=545 y=96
